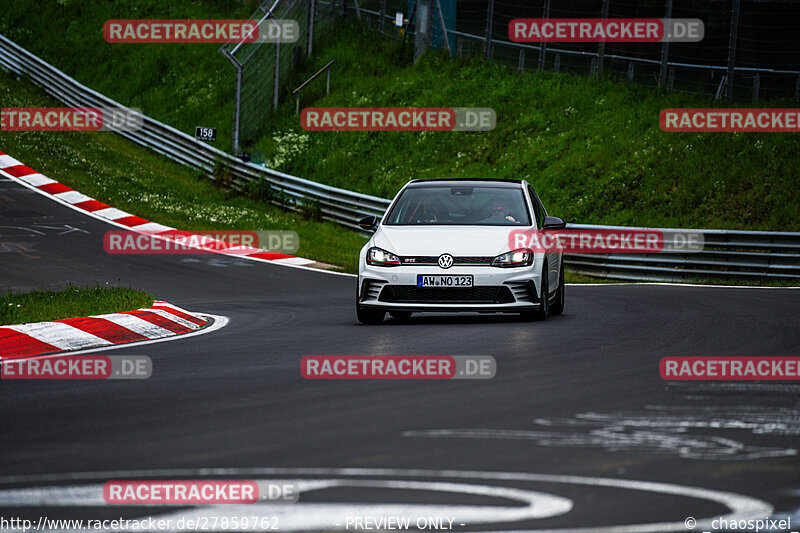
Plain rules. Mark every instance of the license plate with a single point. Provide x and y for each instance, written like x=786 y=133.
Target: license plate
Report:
x=443 y=281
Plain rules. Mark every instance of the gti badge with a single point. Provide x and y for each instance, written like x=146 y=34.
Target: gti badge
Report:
x=445 y=260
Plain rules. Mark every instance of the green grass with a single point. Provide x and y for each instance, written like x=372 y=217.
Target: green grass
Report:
x=185 y=85
x=591 y=147
x=42 y=306
x=113 y=170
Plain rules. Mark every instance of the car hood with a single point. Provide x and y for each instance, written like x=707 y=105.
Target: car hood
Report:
x=437 y=240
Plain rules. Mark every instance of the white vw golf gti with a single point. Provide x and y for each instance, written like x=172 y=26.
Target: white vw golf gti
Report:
x=445 y=246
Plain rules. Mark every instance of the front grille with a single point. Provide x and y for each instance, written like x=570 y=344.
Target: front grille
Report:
x=472 y=295
x=457 y=260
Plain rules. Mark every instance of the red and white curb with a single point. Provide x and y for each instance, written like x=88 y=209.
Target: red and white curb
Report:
x=117 y=217
x=156 y=322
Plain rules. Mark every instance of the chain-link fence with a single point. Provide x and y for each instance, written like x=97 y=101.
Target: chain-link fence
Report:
x=751 y=48
x=260 y=65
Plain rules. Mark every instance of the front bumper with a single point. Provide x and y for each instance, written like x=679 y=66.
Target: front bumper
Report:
x=494 y=289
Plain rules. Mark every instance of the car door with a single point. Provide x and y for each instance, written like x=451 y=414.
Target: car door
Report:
x=554 y=257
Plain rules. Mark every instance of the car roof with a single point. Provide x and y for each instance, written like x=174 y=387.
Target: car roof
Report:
x=455 y=182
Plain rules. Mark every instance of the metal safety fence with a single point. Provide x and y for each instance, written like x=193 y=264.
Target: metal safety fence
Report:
x=749 y=50
x=727 y=254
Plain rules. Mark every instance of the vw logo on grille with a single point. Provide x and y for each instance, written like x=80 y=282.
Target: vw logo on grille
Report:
x=445 y=260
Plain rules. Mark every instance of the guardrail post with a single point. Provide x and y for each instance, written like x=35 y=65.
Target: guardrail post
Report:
x=557 y=63
x=543 y=46
x=732 y=49
x=662 y=75
x=521 y=63
x=601 y=49
x=487 y=47
x=383 y=15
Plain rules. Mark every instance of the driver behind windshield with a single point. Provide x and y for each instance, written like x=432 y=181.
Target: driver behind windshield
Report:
x=499 y=208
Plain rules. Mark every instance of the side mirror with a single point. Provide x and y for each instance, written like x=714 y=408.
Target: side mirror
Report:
x=553 y=223
x=369 y=223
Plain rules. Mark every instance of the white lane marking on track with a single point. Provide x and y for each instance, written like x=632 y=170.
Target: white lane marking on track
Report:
x=107 y=221
x=668 y=284
x=742 y=507
x=60 y=335
x=527 y=504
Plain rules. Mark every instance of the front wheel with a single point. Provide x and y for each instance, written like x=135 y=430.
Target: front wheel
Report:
x=369 y=316
x=544 y=307
x=558 y=306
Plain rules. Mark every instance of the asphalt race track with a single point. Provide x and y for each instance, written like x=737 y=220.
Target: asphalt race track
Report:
x=577 y=421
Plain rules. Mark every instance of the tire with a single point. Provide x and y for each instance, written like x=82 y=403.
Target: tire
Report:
x=544 y=308
x=400 y=315
x=369 y=316
x=557 y=307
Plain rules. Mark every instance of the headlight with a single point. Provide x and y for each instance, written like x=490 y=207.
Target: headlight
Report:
x=379 y=257
x=516 y=258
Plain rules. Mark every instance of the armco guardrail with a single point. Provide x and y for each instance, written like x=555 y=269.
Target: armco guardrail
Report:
x=339 y=205
x=728 y=254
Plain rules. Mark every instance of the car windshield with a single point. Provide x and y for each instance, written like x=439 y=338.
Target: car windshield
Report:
x=462 y=205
